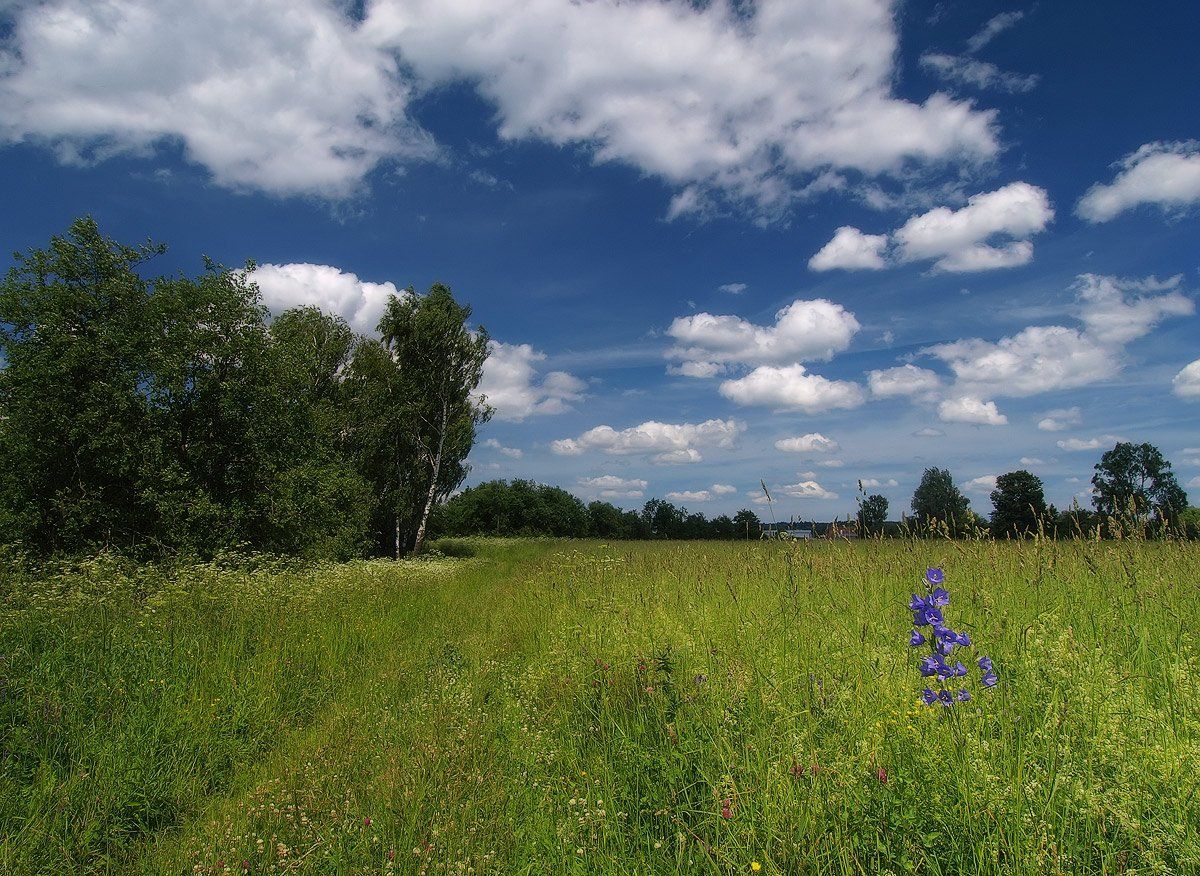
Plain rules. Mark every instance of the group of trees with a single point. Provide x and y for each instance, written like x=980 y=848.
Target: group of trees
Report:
x=1133 y=486
x=170 y=415
x=522 y=508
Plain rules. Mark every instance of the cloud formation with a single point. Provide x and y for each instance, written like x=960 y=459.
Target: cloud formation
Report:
x=1186 y=383
x=1075 y=445
x=1116 y=311
x=1060 y=420
x=793 y=388
x=803 y=330
x=851 y=250
x=510 y=452
x=613 y=487
x=1041 y=359
x=903 y=381
x=805 y=490
x=1165 y=175
x=962 y=70
x=701 y=495
x=968 y=409
x=664 y=443
x=813 y=442
x=359 y=302
x=991 y=231
x=301 y=97
x=286 y=96
x=995 y=26
x=512 y=386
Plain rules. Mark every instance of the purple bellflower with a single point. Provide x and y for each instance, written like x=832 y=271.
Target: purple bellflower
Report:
x=942 y=640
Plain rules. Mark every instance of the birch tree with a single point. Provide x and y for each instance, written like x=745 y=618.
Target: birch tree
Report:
x=440 y=364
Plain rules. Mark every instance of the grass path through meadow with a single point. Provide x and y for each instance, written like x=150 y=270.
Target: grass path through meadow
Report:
x=589 y=708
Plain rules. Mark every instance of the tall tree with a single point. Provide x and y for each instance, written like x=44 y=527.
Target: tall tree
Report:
x=77 y=432
x=1019 y=504
x=746 y=524
x=1135 y=479
x=937 y=498
x=440 y=364
x=872 y=514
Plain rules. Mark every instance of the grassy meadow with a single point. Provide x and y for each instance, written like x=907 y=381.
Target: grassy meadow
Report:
x=575 y=707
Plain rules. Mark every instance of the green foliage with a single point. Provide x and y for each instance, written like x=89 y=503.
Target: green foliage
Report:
x=1135 y=481
x=606 y=520
x=519 y=507
x=872 y=514
x=937 y=501
x=167 y=416
x=746 y=524
x=1019 y=504
x=435 y=365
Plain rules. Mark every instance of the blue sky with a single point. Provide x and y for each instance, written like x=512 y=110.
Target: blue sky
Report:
x=802 y=242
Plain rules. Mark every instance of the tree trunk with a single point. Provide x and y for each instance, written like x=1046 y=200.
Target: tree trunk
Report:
x=419 y=543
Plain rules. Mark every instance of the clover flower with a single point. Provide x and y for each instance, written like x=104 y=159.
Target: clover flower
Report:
x=927 y=612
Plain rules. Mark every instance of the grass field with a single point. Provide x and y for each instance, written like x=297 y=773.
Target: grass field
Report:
x=585 y=708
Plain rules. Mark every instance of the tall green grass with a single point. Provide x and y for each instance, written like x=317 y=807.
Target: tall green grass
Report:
x=589 y=708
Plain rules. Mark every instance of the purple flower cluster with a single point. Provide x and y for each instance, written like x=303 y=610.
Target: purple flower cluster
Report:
x=927 y=614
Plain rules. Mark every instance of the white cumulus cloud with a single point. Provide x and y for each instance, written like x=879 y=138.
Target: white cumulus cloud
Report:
x=1060 y=419
x=813 y=442
x=1164 y=175
x=287 y=96
x=664 y=443
x=1079 y=444
x=803 y=330
x=613 y=487
x=690 y=496
x=903 y=381
x=1044 y=358
x=512 y=385
x=359 y=302
x=851 y=250
x=876 y=483
x=966 y=409
x=1116 y=311
x=296 y=96
x=723 y=489
x=962 y=240
x=982 y=484
x=510 y=452
x=991 y=231
x=805 y=490
x=792 y=387
x=1186 y=383
x=1035 y=360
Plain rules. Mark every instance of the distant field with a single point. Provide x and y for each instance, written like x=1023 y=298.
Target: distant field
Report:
x=548 y=707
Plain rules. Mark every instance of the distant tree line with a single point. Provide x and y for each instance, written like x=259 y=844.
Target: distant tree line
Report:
x=527 y=508
x=1134 y=490
x=169 y=415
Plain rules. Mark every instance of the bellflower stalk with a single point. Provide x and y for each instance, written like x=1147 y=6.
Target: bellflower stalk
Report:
x=942 y=640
